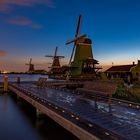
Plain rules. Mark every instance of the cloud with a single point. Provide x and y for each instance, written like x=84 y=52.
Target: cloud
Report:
x=3 y=53
x=5 y=4
x=22 y=21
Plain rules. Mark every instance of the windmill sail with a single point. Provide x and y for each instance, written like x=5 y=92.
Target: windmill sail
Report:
x=56 y=60
x=76 y=35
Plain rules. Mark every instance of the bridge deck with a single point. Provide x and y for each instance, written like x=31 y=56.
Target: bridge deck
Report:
x=123 y=121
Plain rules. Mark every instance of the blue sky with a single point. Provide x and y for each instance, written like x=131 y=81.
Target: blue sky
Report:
x=32 y=28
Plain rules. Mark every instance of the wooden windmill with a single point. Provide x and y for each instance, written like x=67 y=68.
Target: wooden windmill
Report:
x=55 y=67
x=83 y=61
x=31 y=66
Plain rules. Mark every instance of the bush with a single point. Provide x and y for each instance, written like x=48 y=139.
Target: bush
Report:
x=131 y=94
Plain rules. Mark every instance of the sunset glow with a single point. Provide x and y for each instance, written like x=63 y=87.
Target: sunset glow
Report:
x=33 y=28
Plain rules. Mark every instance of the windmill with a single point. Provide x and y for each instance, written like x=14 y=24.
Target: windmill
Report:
x=55 y=67
x=81 y=60
x=31 y=66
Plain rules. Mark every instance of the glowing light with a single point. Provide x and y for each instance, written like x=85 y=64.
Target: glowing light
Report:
x=5 y=72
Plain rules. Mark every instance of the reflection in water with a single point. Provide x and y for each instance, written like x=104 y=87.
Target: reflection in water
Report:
x=18 y=122
x=5 y=103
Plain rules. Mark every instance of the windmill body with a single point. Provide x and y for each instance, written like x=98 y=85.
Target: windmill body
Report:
x=83 y=51
x=32 y=70
x=83 y=62
x=55 y=67
x=31 y=66
x=56 y=62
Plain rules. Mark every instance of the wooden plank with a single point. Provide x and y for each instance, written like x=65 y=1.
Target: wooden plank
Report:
x=74 y=129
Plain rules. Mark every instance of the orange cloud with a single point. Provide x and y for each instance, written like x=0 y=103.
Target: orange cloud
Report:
x=22 y=21
x=5 y=4
x=3 y=53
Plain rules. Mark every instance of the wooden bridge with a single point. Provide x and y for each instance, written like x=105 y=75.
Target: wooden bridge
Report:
x=80 y=115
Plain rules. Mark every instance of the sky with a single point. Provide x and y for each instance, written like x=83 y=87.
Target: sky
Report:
x=33 y=28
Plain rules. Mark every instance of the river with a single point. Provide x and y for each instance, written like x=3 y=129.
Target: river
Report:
x=18 y=122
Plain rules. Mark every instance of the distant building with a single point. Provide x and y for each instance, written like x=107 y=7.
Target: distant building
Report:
x=124 y=71
x=136 y=71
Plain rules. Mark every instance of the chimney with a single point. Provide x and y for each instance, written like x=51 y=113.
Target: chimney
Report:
x=133 y=63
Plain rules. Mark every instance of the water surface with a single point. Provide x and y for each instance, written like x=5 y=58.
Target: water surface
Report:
x=18 y=122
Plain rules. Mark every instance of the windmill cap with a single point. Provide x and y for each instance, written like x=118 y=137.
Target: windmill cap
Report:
x=84 y=40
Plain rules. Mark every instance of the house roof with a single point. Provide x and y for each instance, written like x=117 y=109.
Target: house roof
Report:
x=121 y=68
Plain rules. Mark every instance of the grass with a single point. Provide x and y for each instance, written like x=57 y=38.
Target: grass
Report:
x=130 y=94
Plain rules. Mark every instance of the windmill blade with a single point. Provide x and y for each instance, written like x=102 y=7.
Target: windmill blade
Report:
x=72 y=54
x=78 y=26
x=74 y=47
x=56 y=49
x=49 y=63
x=55 y=53
x=61 y=56
x=58 y=56
x=76 y=35
x=71 y=41
x=30 y=61
x=74 y=40
x=38 y=64
x=49 y=56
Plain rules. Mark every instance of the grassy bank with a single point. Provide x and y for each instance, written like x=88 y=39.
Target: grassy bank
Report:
x=128 y=93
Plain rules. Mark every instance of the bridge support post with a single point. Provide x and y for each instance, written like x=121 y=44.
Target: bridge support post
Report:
x=5 y=83
x=18 y=98
x=18 y=80
x=38 y=113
